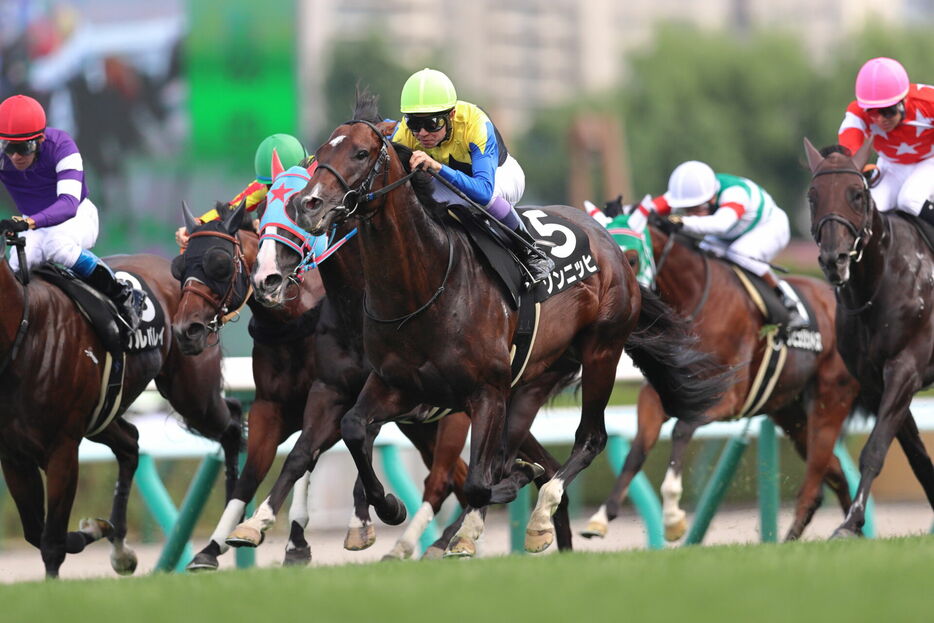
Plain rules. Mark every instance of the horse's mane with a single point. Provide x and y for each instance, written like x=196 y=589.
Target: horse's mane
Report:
x=836 y=149
x=366 y=106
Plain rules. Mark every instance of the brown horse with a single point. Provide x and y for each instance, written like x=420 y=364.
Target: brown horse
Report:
x=341 y=370
x=289 y=341
x=438 y=330
x=881 y=268
x=50 y=385
x=812 y=397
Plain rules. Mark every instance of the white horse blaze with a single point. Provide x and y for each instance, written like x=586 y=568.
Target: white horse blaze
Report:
x=228 y=521
x=337 y=141
x=548 y=499
x=671 y=498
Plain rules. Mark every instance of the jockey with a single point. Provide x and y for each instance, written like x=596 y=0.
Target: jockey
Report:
x=898 y=117
x=736 y=216
x=43 y=171
x=291 y=153
x=458 y=141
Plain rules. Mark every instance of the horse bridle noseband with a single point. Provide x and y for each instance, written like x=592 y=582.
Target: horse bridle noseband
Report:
x=222 y=305
x=861 y=235
x=363 y=194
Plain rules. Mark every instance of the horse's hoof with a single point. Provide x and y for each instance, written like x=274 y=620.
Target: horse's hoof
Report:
x=360 y=538
x=676 y=530
x=297 y=557
x=845 y=533
x=393 y=511
x=202 y=562
x=535 y=470
x=245 y=536
x=124 y=563
x=461 y=547
x=433 y=553
x=594 y=529
x=96 y=528
x=538 y=540
x=399 y=551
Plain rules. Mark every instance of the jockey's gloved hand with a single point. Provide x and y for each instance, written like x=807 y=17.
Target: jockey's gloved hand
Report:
x=13 y=225
x=672 y=224
x=871 y=173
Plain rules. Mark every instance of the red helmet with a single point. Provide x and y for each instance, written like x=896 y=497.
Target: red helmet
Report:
x=21 y=119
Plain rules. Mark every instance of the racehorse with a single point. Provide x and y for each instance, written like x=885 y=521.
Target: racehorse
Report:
x=215 y=271
x=341 y=370
x=50 y=385
x=811 y=399
x=881 y=268
x=438 y=330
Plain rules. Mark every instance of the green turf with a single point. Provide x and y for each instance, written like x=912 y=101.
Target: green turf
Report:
x=860 y=580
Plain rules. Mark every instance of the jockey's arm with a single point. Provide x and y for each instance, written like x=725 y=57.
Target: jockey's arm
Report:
x=484 y=158
x=853 y=130
x=69 y=170
x=734 y=202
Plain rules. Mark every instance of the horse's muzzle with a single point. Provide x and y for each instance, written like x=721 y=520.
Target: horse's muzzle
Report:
x=191 y=338
x=835 y=266
x=268 y=292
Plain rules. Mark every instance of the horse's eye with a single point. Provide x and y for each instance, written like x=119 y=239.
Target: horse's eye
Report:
x=362 y=154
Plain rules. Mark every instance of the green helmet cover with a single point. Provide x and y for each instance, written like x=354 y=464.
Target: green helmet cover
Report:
x=290 y=150
x=427 y=91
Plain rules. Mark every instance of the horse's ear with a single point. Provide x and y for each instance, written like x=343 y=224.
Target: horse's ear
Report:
x=277 y=167
x=190 y=222
x=235 y=218
x=861 y=157
x=814 y=157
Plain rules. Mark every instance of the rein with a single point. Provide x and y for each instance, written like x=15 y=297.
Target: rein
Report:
x=20 y=244
x=222 y=312
x=861 y=237
x=666 y=250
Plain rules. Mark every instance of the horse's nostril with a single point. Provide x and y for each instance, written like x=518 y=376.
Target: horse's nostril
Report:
x=272 y=282
x=194 y=330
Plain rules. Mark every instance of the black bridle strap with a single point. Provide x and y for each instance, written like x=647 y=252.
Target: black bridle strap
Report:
x=221 y=305
x=404 y=319
x=20 y=244
x=859 y=235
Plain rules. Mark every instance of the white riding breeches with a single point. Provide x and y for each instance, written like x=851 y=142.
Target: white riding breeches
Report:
x=60 y=243
x=510 y=181
x=757 y=247
x=903 y=186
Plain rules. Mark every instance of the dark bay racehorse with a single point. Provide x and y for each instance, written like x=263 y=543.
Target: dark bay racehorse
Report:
x=341 y=371
x=289 y=340
x=881 y=268
x=49 y=389
x=812 y=397
x=438 y=330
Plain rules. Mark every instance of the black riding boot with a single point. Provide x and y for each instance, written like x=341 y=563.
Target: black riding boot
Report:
x=120 y=292
x=795 y=320
x=927 y=212
x=536 y=260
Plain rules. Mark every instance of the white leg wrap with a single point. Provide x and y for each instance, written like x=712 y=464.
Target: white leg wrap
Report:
x=298 y=511
x=600 y=516
x=228 y=521
x=671 y=498
x=548 y=499
x=405 y=546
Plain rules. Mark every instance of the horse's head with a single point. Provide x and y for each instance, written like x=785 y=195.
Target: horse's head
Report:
x=286 y=250
x=842 y=209
x=356 y=155
x=214 y=274
x=636 y=243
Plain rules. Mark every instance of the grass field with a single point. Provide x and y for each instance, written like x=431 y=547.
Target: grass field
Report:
x=883 y=580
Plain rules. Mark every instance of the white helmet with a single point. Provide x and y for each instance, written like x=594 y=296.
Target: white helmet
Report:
x=691 y=184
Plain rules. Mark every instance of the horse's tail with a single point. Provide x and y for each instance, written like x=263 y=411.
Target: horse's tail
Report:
x=688 y=381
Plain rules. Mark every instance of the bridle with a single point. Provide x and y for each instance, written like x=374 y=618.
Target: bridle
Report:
x=363 y=194
x=225 y=309
x=860 y=235
x=20 y=243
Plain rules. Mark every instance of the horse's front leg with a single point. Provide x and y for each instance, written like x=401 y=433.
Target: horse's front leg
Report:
x=673 y=515
x=320 y=431
x=900 y=383
x=61 y=483
x=910 y=440
x=376 y=404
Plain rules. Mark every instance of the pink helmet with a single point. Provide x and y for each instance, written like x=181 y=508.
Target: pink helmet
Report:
x=881 y=82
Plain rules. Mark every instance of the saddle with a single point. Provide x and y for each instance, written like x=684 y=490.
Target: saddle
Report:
x=924 y=228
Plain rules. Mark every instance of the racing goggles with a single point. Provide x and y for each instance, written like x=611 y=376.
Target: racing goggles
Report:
x=888 y=112
x=23 y=148
x=431 y=123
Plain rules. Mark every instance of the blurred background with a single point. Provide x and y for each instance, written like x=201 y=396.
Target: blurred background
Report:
x=168 y=100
